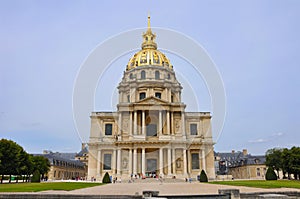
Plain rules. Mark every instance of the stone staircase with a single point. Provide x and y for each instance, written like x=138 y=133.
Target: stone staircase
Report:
x=154 y=180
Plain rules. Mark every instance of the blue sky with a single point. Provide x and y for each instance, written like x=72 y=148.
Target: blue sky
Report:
x=254 y=44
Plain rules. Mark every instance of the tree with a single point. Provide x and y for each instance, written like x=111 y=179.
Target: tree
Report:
x=10 y=160
x=270 y=174
x=274 y=159
x=203 y=176
x=41 y=164
x=106 y=178
x=294 y=162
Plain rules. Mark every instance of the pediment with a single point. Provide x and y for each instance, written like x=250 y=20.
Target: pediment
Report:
x=152 y=100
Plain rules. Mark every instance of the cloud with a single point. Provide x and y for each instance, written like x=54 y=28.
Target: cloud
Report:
x=260 y=140
x=267 y=139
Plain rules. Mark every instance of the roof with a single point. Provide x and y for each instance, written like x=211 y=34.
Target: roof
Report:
x=52 y=157
x=83 y=151
x=239 y=159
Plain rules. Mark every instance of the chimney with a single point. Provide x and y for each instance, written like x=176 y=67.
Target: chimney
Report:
x=245 y=152
x=83 y=145
x=233 y=151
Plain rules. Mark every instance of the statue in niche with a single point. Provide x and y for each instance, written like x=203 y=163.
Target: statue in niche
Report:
x=178 y=163
x=177 y=125
x=124 y=163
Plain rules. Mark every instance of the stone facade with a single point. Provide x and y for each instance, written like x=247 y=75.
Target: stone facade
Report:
x=63 y=168
x=150 y=134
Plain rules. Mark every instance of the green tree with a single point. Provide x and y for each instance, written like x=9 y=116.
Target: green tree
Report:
x=106 y=178
x=270 y=174
x=274 y=159
x=294 y=161
x=203 y=176
x=41 y=164
x=10 y=158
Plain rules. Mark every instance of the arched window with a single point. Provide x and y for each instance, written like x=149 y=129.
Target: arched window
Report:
x=143 y=74
x=131 y=76
x=157 y=75
x=169 y=76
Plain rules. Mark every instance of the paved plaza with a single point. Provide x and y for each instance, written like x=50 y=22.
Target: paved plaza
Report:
x=178 y=188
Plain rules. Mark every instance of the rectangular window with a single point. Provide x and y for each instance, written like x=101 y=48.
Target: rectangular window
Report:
x=142 y=96
x=193 y=129
x=158 y=95
x=258 y=171
x=108 y=129
x=195 y=161
x=107 y=162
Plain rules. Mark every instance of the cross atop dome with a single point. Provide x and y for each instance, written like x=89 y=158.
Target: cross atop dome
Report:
x=149 y=38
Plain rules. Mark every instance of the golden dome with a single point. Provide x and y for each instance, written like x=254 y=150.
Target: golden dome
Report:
x=149 y=55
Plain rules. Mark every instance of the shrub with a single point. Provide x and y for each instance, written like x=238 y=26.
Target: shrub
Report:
x=36 y=176
x=106 y=178
x=271 y=175
x=203 y=176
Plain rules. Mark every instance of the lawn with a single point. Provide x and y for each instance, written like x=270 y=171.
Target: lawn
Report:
x=262 y=183
x=35 y=187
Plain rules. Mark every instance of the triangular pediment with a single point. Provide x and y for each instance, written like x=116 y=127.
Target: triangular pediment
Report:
x=152 y=100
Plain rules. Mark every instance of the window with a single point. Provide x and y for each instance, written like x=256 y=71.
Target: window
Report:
x=143 y=74
x=258 y=171
x=172 y=98
x=195 y=161
x=158 y=95
x=142 y=95
x=157 y=75
x=131 y=76
x=108 y=129
x=193 y=129
x=169 y=76
x=128 y=98
x=107 y=162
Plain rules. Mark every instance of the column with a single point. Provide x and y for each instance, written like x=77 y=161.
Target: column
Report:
x=119 y=162
x=135 y=123
x=130 y=162
x=143 y=122
x=160 y=122
x=98 y=162
x=203 y=160
x=183 y=124
x=168 y=123
x=114 y=158
x=120 y=124
x=189 y=161
x=143 y=161
x=174 y=161
x=169 y=162
x=134 y=160
x=184 y=162
x=172 y=123
x=130 y=123
x=161 y=161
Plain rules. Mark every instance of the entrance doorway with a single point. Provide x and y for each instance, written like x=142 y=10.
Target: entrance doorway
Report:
x=151 y=169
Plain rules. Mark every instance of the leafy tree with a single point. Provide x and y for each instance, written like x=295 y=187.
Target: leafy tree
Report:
x=270 y=174
x=274 y=159
x=203 y=176
x=106 y=178
x=41 y=164
x=10 y=158
x=294 y=161
x=36 y=177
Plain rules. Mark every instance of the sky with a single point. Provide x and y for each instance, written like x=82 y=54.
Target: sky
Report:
x=254 y=44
